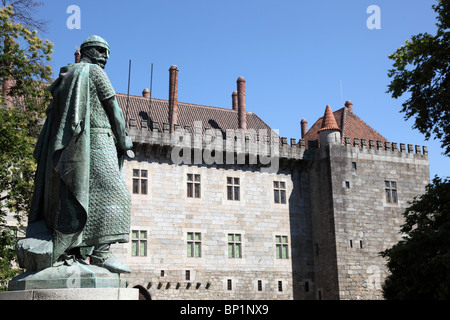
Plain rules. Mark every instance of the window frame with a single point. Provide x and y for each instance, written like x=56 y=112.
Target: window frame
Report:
x=279 y=192
x=234 y=243
x=140 y=181
x=281 y=247
x=391 y=191
x=137 y=242
x=233 y=188
x=194 y=244
x=193 y=185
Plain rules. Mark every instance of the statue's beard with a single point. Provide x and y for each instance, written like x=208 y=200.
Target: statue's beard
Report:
x=94 y=57
x=100 y=62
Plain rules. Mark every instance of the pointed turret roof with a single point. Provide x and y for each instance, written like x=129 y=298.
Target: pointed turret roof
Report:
x=350 y=124
x=328 y=120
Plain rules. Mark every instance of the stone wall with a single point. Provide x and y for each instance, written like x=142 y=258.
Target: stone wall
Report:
x=336 y=219
x=365 y=222
x=168 y=215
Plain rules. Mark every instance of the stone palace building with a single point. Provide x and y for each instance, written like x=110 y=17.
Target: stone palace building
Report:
x=225 y=208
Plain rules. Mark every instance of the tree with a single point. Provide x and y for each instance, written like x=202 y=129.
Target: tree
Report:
x=422 y=71
x=23 y=13
x=419 y=264
x=24 y=73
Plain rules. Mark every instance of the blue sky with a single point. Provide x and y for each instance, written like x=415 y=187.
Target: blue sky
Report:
x=296 y=56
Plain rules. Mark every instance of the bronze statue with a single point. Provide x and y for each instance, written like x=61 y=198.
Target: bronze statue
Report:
x=80 y=197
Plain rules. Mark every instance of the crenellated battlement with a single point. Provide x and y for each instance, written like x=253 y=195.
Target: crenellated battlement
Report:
x=249 y=144
x=386 y=146
x=243 y=147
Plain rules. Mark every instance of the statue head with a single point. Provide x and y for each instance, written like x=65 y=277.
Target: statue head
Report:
x=95 y=50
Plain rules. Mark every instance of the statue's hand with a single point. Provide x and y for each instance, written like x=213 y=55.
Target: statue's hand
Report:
x=128 y=143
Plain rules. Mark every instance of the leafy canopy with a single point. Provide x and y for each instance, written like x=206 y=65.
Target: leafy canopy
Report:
x=24 y=74
x=421 y=71
x=419 y=264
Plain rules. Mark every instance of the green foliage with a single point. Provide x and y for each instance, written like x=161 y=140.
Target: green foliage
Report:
x=24 y=58
x=7 y=254
x=422 y=72
x=420 y=263
x=23 y=64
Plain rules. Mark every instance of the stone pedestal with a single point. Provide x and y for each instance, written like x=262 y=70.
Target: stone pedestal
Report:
x=69 y=282
x=67 y=277
x=72 y=294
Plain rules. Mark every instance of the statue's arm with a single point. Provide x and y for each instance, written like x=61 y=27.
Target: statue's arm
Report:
x=117 y=121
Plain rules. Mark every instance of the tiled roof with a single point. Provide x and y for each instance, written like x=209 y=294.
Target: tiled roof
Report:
x=351 y=126
x=139 y=109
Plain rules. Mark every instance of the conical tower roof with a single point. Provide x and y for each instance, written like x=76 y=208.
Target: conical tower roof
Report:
x=329 y=122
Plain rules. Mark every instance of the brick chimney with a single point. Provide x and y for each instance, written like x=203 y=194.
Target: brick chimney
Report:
x=304 y=127
x=349 y=105
x=173 y=96
x=146 y=93
x=77 y=56
x=242 y=114
x=234 y=98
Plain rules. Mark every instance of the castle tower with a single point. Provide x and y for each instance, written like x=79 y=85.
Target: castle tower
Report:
x=329 y=132
x=360 y=186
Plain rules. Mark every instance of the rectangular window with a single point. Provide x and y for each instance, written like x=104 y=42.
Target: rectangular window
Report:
x=233 y=192
x=194 y=244
x=280 y=286
x=391 y=191
x=229 y=284
x=279 y=192
x=234 y=245
x=188 y=275
x=139 y=181
x=281 y=244
x=259 y=285
x=138 y=243
x=193 y=185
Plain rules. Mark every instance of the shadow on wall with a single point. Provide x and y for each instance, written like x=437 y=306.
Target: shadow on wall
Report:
x=301 y=235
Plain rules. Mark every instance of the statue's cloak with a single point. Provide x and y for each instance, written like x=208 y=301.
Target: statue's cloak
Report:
x=61 y=194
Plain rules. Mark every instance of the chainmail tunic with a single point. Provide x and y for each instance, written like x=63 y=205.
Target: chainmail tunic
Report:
x=109 y=199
